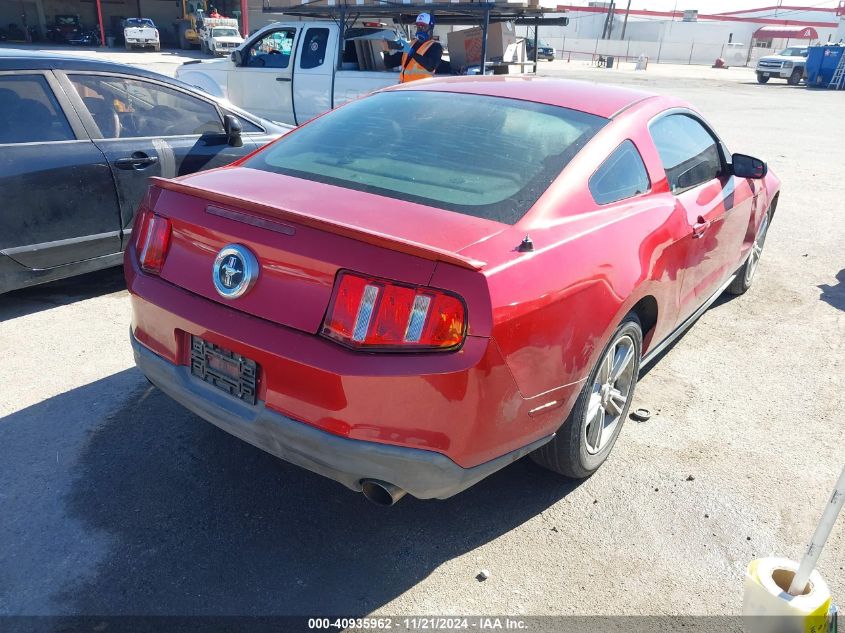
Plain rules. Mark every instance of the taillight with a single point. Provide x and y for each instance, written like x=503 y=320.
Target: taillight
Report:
x=372 y=313
x=152 y=241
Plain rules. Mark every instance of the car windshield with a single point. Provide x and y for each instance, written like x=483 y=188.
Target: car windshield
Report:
x=220 y=32
x=483 y=156
x=794 y=52
x=139 y=22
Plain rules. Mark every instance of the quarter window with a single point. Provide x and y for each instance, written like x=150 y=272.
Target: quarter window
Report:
x=128 y=108
x=687 y=150
x=314 y=51
x=622 y=175
x=29 y=112
x=247 y=127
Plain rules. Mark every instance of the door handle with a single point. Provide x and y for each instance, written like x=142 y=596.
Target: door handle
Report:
x=282 y=78
x=700 y=227
x=138 y=159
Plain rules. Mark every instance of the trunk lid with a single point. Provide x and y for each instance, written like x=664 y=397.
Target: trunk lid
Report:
x=302 y=233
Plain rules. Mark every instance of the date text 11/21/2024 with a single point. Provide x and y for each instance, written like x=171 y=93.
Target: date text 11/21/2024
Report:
x=433 y=623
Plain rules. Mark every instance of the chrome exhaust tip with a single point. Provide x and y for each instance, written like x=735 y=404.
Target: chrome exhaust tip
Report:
x=381 y=493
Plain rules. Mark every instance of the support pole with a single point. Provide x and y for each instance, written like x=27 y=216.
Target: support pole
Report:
x=625 y=23
x=484 y=28
x=245 y=18
x=536 y=41
x=100 y=19
x=341 y=41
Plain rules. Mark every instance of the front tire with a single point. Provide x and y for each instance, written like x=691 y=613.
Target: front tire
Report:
x=762 y=79
x=795 y=77
x=585 y=439
x=745 y=275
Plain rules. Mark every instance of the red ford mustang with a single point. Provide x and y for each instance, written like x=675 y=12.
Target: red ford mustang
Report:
x=416 y=289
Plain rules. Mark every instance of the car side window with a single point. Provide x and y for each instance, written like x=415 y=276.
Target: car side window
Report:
x=130 y=108
x=271 y=51
x=314 y=50
x=29 y=112
x=688 y=151
x=622 y=175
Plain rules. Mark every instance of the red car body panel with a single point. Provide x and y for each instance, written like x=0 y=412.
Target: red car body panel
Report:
x=536 y=320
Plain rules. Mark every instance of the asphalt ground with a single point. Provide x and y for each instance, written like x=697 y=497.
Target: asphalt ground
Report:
x=116 y=500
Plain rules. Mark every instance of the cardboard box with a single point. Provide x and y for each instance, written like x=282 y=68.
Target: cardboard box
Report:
x=465 y=45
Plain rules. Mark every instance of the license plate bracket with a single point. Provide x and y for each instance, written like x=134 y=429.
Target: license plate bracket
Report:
x=228 y=371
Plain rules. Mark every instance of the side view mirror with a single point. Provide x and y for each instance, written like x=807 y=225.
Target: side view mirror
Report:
x=237 y=57
x=233 y=130
x=748 y=166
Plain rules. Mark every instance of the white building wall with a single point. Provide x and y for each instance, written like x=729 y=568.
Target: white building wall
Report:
x=704 y=31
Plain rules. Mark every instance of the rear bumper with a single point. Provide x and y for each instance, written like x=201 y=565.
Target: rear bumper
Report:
x=422 y=473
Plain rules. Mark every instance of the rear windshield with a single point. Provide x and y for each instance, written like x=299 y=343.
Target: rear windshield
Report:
x=139 y=23
x=488 y=157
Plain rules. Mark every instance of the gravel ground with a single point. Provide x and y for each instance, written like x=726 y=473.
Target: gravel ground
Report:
x=115 y=500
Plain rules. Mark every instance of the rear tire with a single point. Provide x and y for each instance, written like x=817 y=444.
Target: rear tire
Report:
x=128 y=46
x=585 y=439
x=761 y=79
x=795 y=77
x=745 y=275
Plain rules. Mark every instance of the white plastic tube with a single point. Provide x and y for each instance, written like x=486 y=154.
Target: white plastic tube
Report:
x=811 y=557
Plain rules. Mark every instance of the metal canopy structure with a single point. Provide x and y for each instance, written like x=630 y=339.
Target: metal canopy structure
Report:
x=474 y=13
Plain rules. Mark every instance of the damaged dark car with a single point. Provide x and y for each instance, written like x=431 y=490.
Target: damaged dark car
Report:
x=78 y=141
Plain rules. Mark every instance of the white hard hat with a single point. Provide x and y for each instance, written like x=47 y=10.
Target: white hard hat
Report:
x=424 y=18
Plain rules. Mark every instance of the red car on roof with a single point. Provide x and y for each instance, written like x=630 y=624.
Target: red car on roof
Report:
x=414 y=290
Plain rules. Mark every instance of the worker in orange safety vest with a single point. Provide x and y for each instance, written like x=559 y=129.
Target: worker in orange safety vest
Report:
x=420 y=59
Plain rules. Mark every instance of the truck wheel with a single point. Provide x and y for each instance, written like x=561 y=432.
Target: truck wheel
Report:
x=795 y=77
x=584 y=441
x=157 y=48
x=128 y=46
x=761 y=79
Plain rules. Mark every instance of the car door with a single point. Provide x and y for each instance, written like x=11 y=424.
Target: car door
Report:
x=263 y=84
x=717 y=206
x=314 y=73
x=57 y=196
x=148 y=128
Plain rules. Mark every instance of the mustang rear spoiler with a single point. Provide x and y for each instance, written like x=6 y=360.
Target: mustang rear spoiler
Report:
x=339 y=228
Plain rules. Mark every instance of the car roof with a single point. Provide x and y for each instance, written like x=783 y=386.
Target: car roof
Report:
x=21 y=59
x=603 y=100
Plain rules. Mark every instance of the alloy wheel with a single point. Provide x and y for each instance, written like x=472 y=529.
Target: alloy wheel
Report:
x=756 y=251
x=611 y=392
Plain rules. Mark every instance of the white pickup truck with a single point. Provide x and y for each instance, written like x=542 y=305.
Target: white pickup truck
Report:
x=788 y=64
x=219 y=36
x=288 y=72
x=141 y=32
